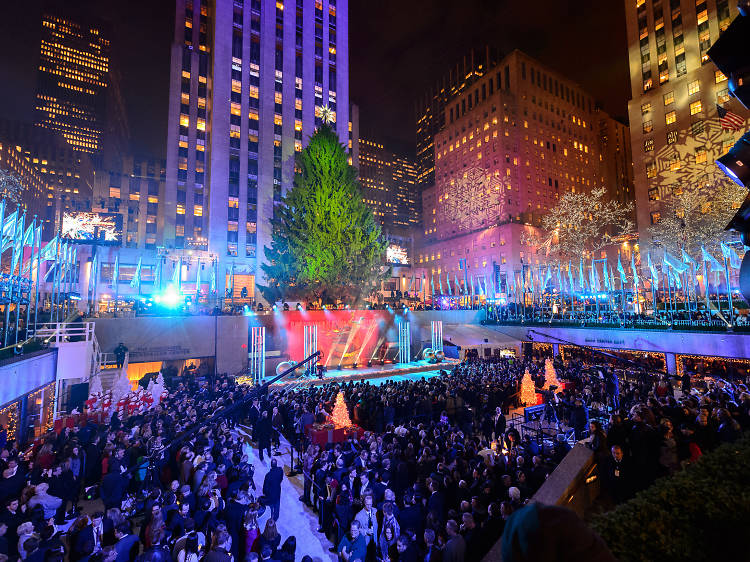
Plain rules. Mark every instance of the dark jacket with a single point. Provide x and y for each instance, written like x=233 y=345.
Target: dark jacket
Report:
x=272 y=485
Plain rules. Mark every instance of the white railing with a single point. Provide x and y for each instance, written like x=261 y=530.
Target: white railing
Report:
x=62 y=332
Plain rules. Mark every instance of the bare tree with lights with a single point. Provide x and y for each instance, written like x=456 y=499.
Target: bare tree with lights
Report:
x=695 y=215
x=581 y=224
x=11 y=188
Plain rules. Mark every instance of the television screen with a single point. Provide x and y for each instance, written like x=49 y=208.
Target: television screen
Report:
x=396 y=254
x=87 y=228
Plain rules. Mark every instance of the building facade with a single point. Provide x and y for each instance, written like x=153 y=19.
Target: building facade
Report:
x=430 y=109
x=388 y=184
x=135 y=191
x=67 y=173
x=249 y=83
x=675 y=130
x=15 y=160
x=73 y=78
x=513 y=143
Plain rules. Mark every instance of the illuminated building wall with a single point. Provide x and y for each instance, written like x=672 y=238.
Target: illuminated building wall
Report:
x=14 y=159
x=248 y=81
x=73 y=79
x=388 y=185
x=68 y=174
x=136 y=191
x=430 y=109
x=674 y=127
x=513 y=143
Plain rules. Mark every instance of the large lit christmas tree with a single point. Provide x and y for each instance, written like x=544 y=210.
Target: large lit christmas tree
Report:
x=528 y=390
x=340 y=414
x=550 y=376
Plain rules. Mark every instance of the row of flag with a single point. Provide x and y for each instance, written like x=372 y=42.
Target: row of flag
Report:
x=588 y=276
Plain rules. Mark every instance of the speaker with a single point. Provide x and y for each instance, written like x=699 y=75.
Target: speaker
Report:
x=79 y=393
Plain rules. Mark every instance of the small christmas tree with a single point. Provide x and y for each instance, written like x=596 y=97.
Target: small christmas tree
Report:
x=550 y=376
x=95 y=385
x=157 y=388
x=340 y=414
x=528 y=390
x=121 y=387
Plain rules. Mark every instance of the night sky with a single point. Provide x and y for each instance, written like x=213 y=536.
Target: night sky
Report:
x=398 y=49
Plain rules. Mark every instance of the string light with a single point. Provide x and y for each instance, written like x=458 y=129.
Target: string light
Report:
x=528 y=390
x=340 y=414
x=11 y=420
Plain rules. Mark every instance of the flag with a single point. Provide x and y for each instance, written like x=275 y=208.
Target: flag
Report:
x=35 y=243
x=213 y=278
x=607 y=282
x=654 y=273
x=633 y=269
x=53 y=248
x=177 y=276
x=581 y=276
x=730 y=120
x=440 y=283
x=595 y=285
x=92 y=273
x=458 y=285
x=730 y=255
x=687 y=259
x=136 y=281
x=18 y=243
x=570 y=277
x=547 y=278
x=448 y=282
x=678 y=265
x=621 y=270
x=706 y=257
x=411 y=284
x=9 y=230
x=432 y=285
x=198 y=280
x=559 y=280
x=116 y=272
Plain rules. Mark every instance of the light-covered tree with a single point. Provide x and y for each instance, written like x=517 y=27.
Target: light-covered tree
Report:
x=695 y=215
x=581 y=224
x=11 y=187
x=325 y=241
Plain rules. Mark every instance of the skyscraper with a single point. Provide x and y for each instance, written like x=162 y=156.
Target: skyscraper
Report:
x=388 y=185
x=430 y=109
x=72 y=81
x=514 y=142
x=248 y=85
x=675 y=130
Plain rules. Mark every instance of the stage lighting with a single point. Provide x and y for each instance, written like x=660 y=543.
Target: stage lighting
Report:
x=736 y=163
x=324 y=307
x=730 y=53
x=170 y=297
x=286 y=307
x=299 y=306
x=273 y=308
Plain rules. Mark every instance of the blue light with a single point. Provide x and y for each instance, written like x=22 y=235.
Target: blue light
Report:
x=170 y=297
x=274 y=308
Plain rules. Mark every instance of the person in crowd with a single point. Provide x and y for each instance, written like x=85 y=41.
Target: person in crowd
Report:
x=353 y=545
x=272 y=488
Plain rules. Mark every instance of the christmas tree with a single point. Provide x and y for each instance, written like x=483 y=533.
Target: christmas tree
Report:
x=550 y=376
x=528 y=390
x=95 y=385
x=121 y=387
x=325 y=242
x=340 y=414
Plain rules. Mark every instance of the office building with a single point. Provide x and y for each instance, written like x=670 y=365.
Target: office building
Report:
x=249 y=82
x=67 y=173
x=135 y=191
x=675 y=130
x=73 y=78
x=15 y=160
x=430 y=108
x=514 y=142
x=388 y=185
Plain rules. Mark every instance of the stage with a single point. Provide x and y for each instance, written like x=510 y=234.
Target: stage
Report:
x=377 y=374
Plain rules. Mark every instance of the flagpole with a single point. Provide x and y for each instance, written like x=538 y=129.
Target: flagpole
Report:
x=36 y=287
x=31 y=272
x=729 y=292
x=6 y=335
x=116 y=281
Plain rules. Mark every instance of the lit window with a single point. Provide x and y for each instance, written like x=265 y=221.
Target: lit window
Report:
x=184 y=120
x=671 y=117
x=720 y=76
x=669 y=98
x=696 y=107
x=114 y=192
x=694 y=87
x=235 y=109
x=180 y=209
x=201 y=124
x=198 y=210
x=648 y=145
x=645 y=108
x=185 y=99
x=701 y=155
x=648 y=126
x=722 y=96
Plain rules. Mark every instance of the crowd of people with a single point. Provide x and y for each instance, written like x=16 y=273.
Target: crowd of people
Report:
x=435 y=475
